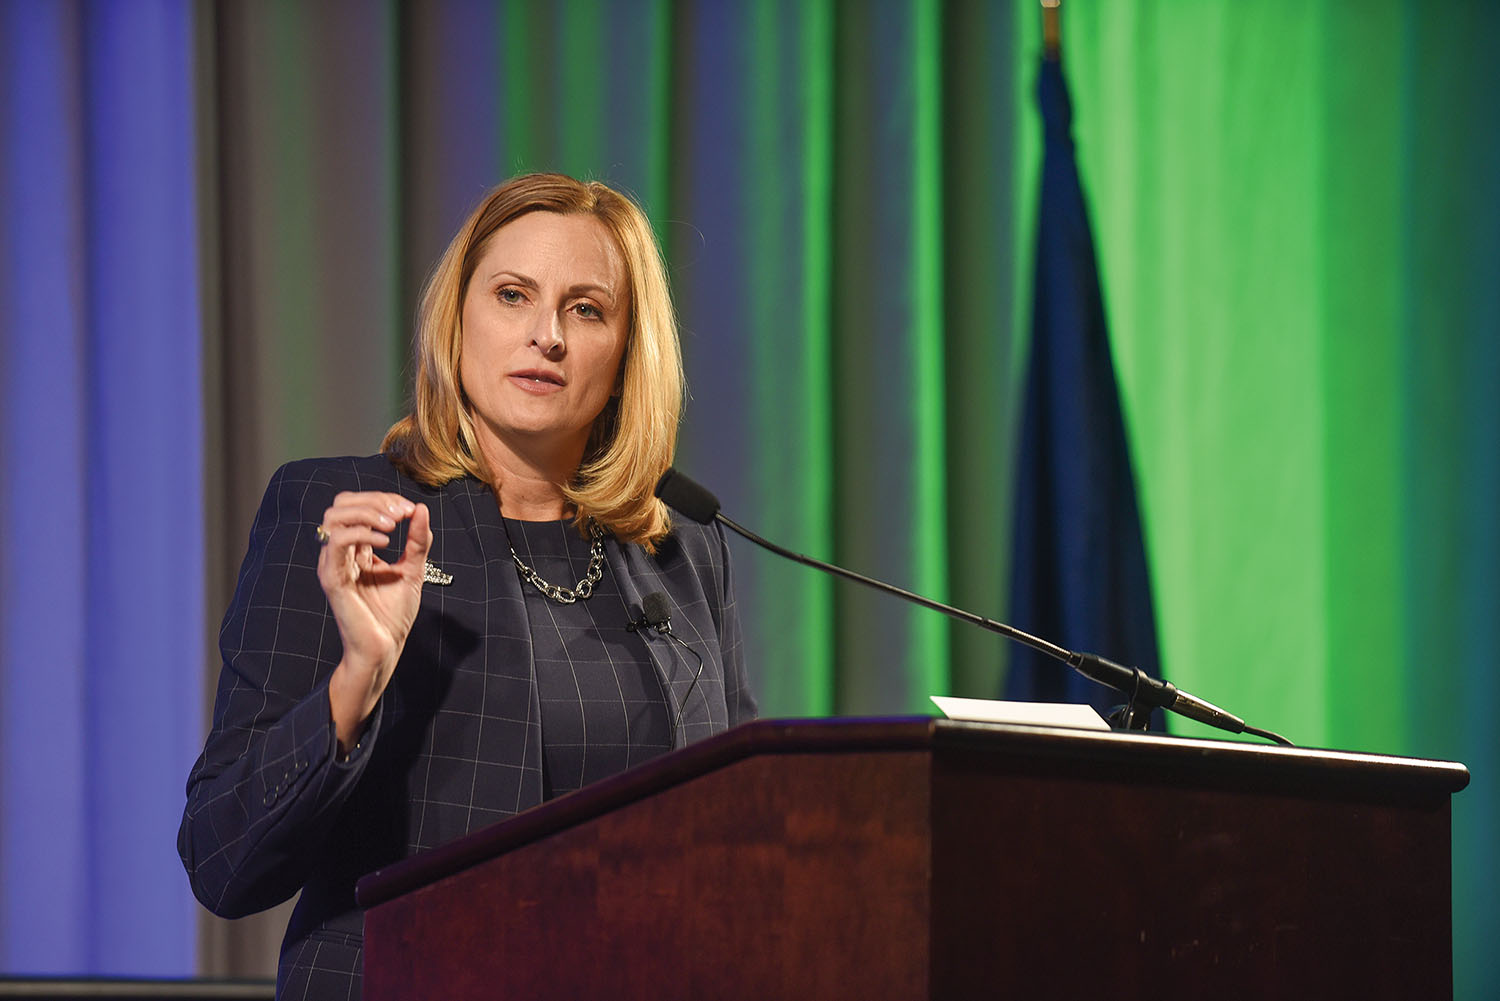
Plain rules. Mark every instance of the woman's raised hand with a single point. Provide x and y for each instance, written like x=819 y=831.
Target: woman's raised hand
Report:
x=374 y=602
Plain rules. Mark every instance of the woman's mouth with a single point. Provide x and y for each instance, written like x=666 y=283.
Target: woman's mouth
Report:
x=538 y=381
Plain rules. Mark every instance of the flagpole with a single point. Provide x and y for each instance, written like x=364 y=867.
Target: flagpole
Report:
x=1051 y=30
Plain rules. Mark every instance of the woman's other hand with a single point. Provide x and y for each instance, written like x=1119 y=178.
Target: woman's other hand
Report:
x=374 y=602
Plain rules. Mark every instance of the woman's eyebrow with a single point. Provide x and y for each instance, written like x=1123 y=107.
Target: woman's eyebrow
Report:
x=516 y=277
x=583 y=287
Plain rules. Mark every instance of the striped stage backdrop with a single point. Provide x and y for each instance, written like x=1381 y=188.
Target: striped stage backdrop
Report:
x=217 y=217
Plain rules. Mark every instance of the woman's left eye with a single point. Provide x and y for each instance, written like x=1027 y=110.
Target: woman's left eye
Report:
x=589 y=311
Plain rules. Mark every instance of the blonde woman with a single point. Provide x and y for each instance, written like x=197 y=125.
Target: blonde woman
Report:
x=429 y=640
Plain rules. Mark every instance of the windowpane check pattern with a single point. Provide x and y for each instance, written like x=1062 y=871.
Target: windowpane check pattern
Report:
x=455 y=743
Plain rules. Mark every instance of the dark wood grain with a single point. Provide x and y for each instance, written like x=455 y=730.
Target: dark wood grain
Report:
x=743 y=883
x=919 y=858
x=1048 y=882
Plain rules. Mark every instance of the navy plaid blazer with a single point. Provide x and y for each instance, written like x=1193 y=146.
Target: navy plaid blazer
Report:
x=454 y=744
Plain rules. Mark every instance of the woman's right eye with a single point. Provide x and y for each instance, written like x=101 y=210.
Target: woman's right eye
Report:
x=510 y=295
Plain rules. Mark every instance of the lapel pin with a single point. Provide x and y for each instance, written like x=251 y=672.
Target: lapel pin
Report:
x=432 y=574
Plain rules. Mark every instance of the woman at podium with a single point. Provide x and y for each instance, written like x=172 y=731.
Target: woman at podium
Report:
x=429 y=640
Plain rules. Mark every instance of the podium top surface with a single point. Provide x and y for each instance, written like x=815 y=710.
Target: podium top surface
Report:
x=1134 y=757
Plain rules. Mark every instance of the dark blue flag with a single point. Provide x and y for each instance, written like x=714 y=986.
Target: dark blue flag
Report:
x=1079 y=576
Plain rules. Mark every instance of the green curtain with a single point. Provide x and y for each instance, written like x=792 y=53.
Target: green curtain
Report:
x=1297 y=210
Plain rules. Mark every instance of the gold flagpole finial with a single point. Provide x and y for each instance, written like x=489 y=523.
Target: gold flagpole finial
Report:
x=1051 y=31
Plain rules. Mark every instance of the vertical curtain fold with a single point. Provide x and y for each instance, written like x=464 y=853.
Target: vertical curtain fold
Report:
x=44 y=866
x=1448 y=447
x=103 y=564
x=753 y=186
x=990 y=164
x=144 y=608
x=1362 y=229
x=889 y=494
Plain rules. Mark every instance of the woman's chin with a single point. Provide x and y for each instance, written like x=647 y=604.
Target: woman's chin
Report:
x=538 y=441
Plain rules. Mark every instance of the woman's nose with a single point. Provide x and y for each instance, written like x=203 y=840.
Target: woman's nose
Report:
x=548 y=336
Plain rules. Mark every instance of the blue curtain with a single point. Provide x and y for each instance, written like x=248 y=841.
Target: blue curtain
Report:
x=101 y=571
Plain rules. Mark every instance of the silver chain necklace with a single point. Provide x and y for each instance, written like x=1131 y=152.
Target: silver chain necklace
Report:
x=585 y=587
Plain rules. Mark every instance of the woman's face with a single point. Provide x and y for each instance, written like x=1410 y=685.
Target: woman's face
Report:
x=545 y=319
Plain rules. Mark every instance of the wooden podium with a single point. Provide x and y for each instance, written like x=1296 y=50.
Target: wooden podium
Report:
x=921 y=858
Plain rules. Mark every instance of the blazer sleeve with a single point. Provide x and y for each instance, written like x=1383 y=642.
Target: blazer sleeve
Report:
x=268 y=786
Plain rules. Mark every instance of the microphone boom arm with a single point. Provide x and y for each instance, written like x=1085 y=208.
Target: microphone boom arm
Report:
x=692 y=500
x=1035 y=642
x=1139 y=685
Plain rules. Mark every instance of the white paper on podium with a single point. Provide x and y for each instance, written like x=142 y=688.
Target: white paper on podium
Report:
x=1078 y=717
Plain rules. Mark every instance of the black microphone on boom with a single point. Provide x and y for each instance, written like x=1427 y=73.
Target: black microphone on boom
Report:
x=697 y=503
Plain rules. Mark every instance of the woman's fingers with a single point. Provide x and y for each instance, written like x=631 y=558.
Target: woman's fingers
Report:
x=345 y=536
x=377 y=510
x=374 y=602
x=356 y=525
x=394 y=503
x=362 y=519
x=418 y=536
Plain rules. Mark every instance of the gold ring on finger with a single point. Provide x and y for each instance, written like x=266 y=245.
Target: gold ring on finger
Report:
x=323 y=536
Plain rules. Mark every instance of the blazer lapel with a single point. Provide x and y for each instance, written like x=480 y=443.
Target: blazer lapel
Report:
x=508 y=649
x=637 y=576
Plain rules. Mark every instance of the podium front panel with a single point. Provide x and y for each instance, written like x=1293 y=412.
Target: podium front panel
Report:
x=909 y=859
x=783 y=876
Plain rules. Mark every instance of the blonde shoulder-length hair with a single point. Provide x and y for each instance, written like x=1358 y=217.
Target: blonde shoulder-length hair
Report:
x=633 y=439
